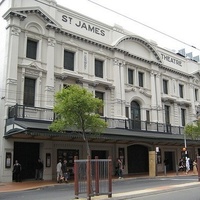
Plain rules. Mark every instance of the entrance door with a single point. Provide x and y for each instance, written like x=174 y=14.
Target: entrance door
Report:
x=169 y=160
x=138 y=160
x=27 y=154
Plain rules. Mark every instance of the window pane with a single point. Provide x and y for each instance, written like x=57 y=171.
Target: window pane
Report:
x=69 y=60
x=100 y=95
x=99 y=68
x=183 y=116
x=165 y=86
x=29 y=92
x=130 y=76
x=196 y=94
x=167 y=115
x=31 y=49
x=140 y=76
x=181 y=91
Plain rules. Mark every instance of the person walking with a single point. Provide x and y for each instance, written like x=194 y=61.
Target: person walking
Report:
x=187 y=164
x=195 y=167
x=120 y=168
x=65 y=171
x=39 y=170
x=59 y=171
x=17 y=171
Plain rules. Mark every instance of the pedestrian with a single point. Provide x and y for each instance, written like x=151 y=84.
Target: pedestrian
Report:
x=39 y=170
x=120 y=168
x=181 y=165
x=17 y=171
x=65 y=171
x=187 y=164
x=195 y=167
x=59 y=171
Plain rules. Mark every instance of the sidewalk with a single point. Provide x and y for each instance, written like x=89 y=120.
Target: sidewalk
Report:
x=35 y=184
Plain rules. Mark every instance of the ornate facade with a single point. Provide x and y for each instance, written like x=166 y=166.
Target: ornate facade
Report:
x=149 y=93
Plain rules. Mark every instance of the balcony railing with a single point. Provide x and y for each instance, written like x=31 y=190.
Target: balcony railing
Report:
x=45 y=114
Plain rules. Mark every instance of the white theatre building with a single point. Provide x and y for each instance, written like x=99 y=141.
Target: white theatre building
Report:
x=149 y=93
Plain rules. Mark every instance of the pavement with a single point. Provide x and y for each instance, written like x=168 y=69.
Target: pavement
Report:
x=36 y=184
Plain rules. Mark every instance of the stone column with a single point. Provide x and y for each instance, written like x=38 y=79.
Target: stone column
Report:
x=191 y=92
x=117 y=82
x=12 y=65
x=123 y=99
x=152 y=163
x=159 y=102
x=49 y=89
x=153 y=98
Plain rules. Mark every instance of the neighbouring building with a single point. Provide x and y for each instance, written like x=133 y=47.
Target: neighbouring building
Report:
x=149 y=93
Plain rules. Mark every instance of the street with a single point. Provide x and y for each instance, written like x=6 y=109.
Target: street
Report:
x=178 y=187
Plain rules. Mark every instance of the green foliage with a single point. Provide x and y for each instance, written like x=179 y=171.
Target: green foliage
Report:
x=193 y=130
x=75 y=109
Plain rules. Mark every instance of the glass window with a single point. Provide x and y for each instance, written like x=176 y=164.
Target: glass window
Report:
x=183 y=116
x=167 y=114
x=165 y=86
x=181 y=90
x=69 y=60
x=130 y=76
x=147 y=116
x=29 y=92
x=140 y=77
x=100 y=95
x=99 y=68
x=196 y=93
x=31 y=49
x=127 y=111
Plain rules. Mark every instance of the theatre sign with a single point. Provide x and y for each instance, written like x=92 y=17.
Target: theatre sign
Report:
x=170 y=59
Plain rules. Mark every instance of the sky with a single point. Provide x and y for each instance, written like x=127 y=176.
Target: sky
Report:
x=172 y=24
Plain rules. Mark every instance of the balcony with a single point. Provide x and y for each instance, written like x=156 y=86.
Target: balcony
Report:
x=47 y=115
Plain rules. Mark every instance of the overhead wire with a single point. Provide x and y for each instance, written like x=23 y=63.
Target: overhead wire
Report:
x=145 y=25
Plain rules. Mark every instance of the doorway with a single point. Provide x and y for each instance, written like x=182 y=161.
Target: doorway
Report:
x=169 y=158
x=27 y=154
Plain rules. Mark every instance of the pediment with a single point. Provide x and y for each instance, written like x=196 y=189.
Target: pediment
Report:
x=137 y=46
x=22 y=13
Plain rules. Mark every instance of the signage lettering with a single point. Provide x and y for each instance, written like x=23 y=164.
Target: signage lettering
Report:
x=83 y=25
x=172 y=60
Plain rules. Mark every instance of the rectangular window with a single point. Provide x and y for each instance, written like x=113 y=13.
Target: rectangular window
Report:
x=127 y=111
x=183 y=116
x=181 y=90
x=141 y=77
x=130 y=76
x=100 y=95
x=167 y=114
x=196 y=93
x=31 y=49
x=69 y=60
x=29 y=92
x=147 y=116
x=99 y=68
x=165 y=86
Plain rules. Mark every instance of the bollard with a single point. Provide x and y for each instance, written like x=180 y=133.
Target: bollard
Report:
x=176 y=170
x=165 y=170
x=198 y=167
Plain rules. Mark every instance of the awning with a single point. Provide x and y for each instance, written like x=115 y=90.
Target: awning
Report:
x=33 y=129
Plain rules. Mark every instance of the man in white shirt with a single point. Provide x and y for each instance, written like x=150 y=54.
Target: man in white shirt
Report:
x=59 y=171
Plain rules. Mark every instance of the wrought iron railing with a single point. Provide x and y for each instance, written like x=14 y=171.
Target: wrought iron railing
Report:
x=38 y=113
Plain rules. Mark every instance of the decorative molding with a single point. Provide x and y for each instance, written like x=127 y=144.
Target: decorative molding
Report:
x=51 y=42
x=142 y=91
x=11 y=81
x=15 y=30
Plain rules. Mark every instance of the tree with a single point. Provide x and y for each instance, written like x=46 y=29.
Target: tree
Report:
x=193 y=130
x=76 y=109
